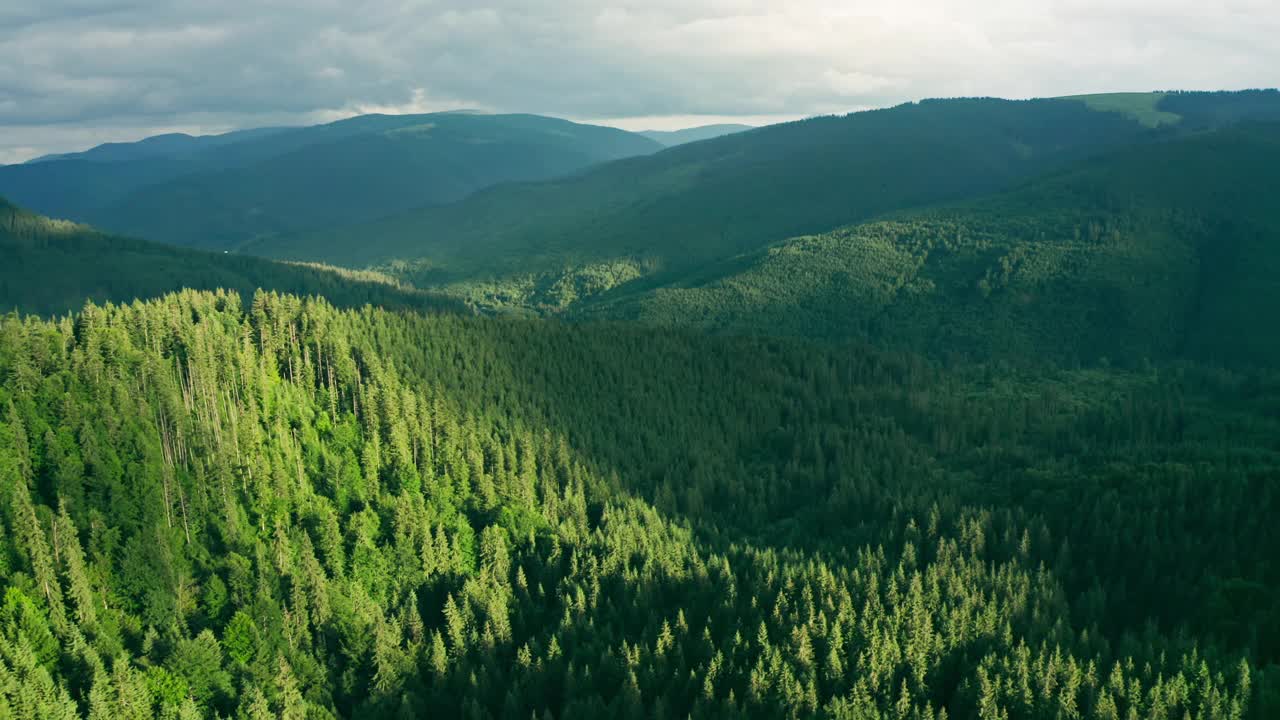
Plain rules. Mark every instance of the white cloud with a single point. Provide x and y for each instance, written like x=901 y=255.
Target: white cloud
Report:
x=114 y=69
x=680 y=122
x=419 y=102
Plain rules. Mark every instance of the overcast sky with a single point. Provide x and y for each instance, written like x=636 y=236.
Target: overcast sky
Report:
x=74 y=73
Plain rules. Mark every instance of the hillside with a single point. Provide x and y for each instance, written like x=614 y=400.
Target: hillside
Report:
x=283 y=510
x=1189 y=111
x=671 y=138
x=1171 y=249
x=706 y=201
x=647 y=221
x=962 y=409
x=52 y=267
x=219 y=192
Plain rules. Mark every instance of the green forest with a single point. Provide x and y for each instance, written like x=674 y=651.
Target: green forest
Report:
x=1106 y=259
x=282 y=509
x=960 y=409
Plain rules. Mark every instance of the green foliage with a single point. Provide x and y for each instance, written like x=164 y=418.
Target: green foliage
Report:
x=1169 y=250
x=240 y=638
x=546 y=292
x=199 y=662
x=609 y=519
x=25 y=625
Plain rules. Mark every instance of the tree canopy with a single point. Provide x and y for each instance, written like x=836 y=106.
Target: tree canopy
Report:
x=282 y=509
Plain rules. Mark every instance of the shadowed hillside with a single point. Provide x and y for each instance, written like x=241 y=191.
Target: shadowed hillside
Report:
x=283 y=510
x=708 y=200
x=54 y=266
x=645 y=222
x=1171 y=249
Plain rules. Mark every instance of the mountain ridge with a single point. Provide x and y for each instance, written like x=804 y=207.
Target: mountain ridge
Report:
x=672 y=138
x=1103 y=259
x=969 y=145
x=220 y=191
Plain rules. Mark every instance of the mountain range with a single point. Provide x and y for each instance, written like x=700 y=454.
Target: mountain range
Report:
x=1126 y=226
x=965 y=408
x=671 y=138
x=669 y=218
x=224 y=191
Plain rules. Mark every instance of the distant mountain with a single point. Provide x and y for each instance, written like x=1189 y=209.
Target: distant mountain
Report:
x=651 y=221
x=669 y=213
x=170 y=145
x=218 y=192
x=1170 y=249
x=671 y=138
x=54 y=266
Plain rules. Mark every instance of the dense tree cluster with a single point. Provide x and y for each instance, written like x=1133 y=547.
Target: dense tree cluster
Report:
x=1201 y=110
x=282 y=509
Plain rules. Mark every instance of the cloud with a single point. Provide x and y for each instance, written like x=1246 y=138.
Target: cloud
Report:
x=115 y=69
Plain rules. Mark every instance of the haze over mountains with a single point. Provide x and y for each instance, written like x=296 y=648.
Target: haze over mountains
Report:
x=671 y=138
x=648 y=221
x=220 y=192
x=711 y=199
x=171 y=145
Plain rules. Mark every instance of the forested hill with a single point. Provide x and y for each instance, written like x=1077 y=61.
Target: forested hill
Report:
x=280 y=510
x=659 y=216
x=1168 y=250
x=219 y=192
x=725 y=195
x=182 y=145
x=50 y=267
x=671 y=138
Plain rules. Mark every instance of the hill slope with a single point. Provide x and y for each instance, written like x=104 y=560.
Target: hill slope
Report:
x=222 y=191
x=1189 y=111
x=709 y=200
x=1168 y=249
x=54 y=266
x=650 y=220
x=289 y=511
x=671 y=138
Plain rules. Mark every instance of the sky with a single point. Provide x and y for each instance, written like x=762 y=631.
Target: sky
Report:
x=75 y=73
